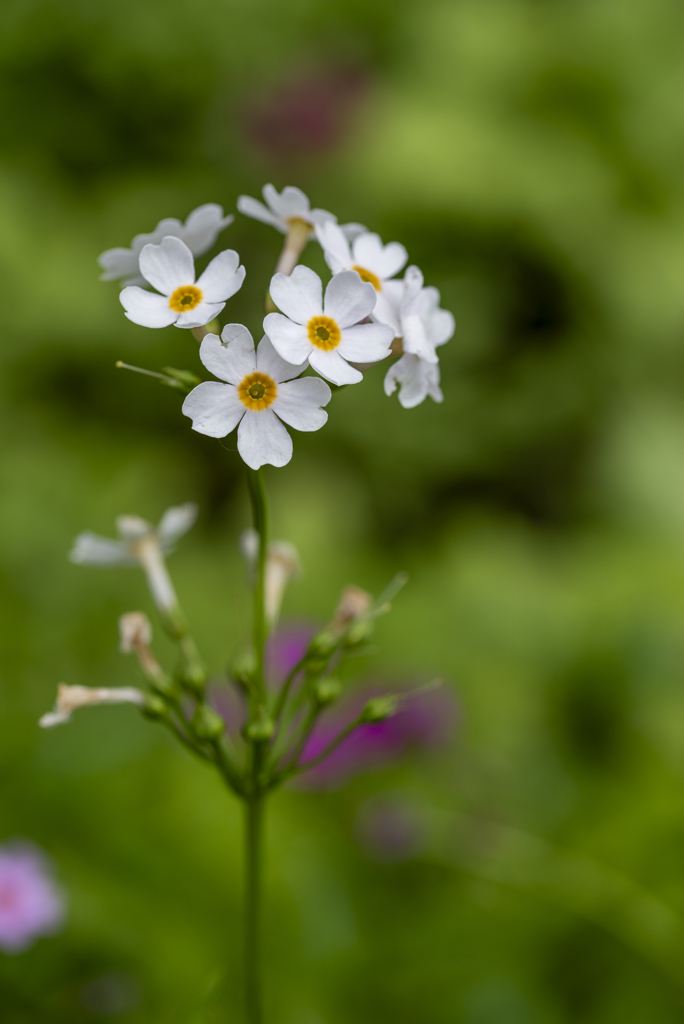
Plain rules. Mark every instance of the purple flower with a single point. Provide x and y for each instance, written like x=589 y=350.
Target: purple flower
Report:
x=285 y=647
x=424 y=720
x=30 y=902
x=391 y=828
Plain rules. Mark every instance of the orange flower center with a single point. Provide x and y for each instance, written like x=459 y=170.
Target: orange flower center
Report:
x=257 y=391
x=323 y=333
x=185 y=298
x=369 y=276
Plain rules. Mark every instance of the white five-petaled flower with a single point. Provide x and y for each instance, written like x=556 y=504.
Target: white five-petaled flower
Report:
x=200 y=231
x=70 y=698
x=170 y=268
x=327 y=332
x=418 y=320
x=259 y=392
x=289 y=208
x=140 y=543
x=373 y=262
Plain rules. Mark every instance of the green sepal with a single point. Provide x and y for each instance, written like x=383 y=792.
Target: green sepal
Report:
x=206 y=723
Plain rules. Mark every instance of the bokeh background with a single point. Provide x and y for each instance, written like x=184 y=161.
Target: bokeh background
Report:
x=530 y=155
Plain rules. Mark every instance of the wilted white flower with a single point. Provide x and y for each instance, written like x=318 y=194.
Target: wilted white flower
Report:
x=70 y=698
x=170 y=268
x=326 y=333
x=282 y=565
x=259 y=392
x=422 y=326
x=200 y=231
x=354 y=603
x=373 y=262
x=288 y=208
x=140 y=543
x=135 y=631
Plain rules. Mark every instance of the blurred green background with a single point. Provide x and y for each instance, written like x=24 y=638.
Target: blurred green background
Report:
x=530 y=155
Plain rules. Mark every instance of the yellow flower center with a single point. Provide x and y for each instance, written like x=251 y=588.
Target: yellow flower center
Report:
x=323 y=333
x=257 y=391
x=185 y=298
x=299 y=222
x=369 y=276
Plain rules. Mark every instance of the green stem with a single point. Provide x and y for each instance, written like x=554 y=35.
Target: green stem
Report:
x=254 y=807
x=258 y=499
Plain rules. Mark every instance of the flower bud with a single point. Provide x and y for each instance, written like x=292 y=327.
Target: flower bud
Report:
x=243 y=668
x=155 y=708
x=323 y=644
x=206 y=723
x=327 y=690
x=354 y=603
x=359 y=633
x=260 y=729
x=379 y=708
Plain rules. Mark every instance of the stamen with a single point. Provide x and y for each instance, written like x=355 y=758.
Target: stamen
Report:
x=257 y=391
x=323 y=333
x=185 y=298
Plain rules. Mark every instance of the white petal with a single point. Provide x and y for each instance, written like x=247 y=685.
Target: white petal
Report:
x=299 y=296
x=335 y=246
x=147 y=308
x=263 y=439
x=348 y=299
x=387 y=306
x=383 y=260
x=268 y=361
x=413 y=283
x=442 y=326
x=333 y=367
x=200 y=315
x=223 y=277
x=366 y=343
x=416 y=378
x=299 y=403
x=203 y=226
x=320 y=217
x=176 y=522
x=230 y=357
x=353 y=230
x=416 y=341
x=214 y=408
x=291 y=202
x=167 y=266
x=118 y=263
x=290 y=340
x=92 y=549
x=253 y=208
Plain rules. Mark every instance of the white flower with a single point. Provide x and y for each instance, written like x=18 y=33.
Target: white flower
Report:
x=259 y=393
x=373 y=262
x=326 y=333
x=70 y=698
x=170 y=268
x=417 y=319
x=289 y=208
x=142 y=544
x=199 y=233
x=416 y=379
x=423 y=327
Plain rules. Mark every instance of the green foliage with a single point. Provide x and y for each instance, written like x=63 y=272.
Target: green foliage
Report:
x=529 y=155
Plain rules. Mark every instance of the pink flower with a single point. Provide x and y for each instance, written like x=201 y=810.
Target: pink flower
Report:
x=31 y=904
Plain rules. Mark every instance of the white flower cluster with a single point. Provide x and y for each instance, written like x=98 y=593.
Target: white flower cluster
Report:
x=365 y=314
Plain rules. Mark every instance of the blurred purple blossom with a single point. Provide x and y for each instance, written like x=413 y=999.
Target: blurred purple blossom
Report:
x=31 y=904
x=306 y=113
x=391 y=828
x=285 y=647
x=424 y=721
